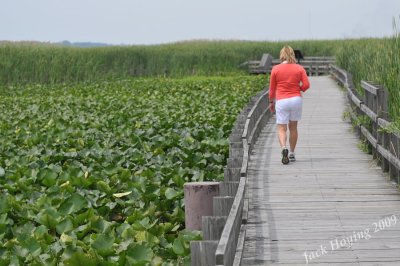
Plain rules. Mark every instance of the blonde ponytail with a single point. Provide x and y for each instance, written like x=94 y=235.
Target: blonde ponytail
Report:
x=287 y=54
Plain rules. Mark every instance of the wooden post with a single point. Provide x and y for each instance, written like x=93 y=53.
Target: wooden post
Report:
x=203 y=252
x=398 y=157
x=212 y=227
x=232 y=174
x=394 y=150
x=222 y=205
x=199 y=202
x=228 y=188
x=382 y=112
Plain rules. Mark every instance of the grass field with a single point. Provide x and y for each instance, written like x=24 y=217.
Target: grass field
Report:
x=35 y=63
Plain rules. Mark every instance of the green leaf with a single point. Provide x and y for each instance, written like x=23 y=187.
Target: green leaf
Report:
x=81 y=259
x=32 y=245
x=145 y=222
x=103 y=186
x=49 y=218
x=170 y=193
x=3 y=204
x=48 y=177
x=100 y=225
x=103 y=244
x=138 y=254
x=178 y=247
x=73 y=204
x=65 y=226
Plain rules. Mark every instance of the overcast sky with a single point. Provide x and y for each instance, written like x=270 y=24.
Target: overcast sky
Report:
x=164 y=21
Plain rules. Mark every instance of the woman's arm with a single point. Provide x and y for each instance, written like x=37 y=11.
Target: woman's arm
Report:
x=305 y=83
x=272 y=86
x=272 y=91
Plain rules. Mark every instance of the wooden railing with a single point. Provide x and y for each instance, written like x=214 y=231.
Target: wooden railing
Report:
x=314 y=65
x=224 y=232
x=262 y=66
x=370 y=116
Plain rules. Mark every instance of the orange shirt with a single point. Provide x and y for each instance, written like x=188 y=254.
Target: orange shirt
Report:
x=287 y=80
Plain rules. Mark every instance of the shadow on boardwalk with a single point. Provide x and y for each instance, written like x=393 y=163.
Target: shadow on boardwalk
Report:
x=332 y=206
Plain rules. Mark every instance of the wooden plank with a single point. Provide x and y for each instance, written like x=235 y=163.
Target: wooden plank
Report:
x=232 y=174
x=243 y=169
x=390 y=157
x=369 y=136
x=371 y=114
x=212 y=227
x=222 y=205
x=383 y=123
x=203 y=253
x=354 y=98
x=369 y=87
x=330 y=192
x=228 y=188
x=227 y=245
x=239 y=250
x=245 y=211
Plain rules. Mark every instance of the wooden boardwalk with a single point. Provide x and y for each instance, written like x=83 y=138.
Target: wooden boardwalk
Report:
x=333 y=206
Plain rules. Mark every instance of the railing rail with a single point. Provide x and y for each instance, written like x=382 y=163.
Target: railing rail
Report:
x=385 y=143
x=314 y=65
x=224 y=233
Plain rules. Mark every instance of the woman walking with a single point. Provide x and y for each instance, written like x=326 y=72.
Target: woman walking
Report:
x=287 y=81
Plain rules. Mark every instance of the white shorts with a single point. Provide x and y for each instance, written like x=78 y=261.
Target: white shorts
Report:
x=288 y=110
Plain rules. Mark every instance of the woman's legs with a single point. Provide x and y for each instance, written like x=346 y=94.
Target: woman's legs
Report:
x=282 y=128
x=293 y=135
x=286 y=110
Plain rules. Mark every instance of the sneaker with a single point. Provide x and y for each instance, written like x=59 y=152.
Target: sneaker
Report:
x=285 y=158
x=292 y=158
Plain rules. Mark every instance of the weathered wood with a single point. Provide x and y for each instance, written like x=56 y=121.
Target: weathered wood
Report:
x=369 y=137
x=202 y=253
x=262 y=66
x=331 y=191
x=389 y=156
x=234 y=162
x=369 y=87
x=240 y=245
x=243 y=169
x=225 y=205
x=228 y=188
x=383 y=123
x=222 y=205
x=198 y=202
x=246 y=129
x=212 y=227
x=382 y=101
x=236 y=152
x=371 y=114
x=226 y=249
x=245 y=211
x=357 y=102
x=232 y=174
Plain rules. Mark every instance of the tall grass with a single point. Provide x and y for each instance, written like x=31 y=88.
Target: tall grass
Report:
x=36 y=63
x=376 y=60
